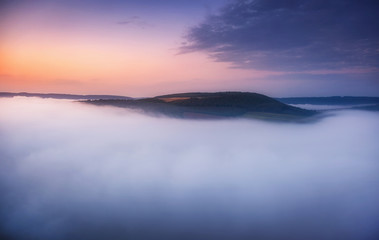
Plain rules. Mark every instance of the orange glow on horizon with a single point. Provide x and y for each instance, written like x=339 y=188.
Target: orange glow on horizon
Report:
x=37 y=56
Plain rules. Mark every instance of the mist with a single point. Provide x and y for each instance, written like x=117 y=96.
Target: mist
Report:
x=75 y=171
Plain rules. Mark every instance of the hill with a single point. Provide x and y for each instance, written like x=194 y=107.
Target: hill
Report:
x=336 y=100
x=214 y=105
x=61 y=96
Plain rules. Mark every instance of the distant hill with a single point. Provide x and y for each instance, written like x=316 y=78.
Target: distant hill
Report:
x=330 y=100
x=373 y=107
x=61 y=96
x=214 y=105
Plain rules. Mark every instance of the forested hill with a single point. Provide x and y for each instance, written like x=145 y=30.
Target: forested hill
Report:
x=213 y=105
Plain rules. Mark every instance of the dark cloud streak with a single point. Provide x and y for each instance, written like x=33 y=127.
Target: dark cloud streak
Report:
x=291 y=35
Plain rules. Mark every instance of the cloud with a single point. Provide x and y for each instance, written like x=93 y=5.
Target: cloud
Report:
x=291 y=35
x=135 y=21
x=73 y=171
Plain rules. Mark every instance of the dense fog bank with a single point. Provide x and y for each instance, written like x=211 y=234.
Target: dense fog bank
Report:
x=74 y=171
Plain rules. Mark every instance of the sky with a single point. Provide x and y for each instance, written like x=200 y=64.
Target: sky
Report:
x=147 y=47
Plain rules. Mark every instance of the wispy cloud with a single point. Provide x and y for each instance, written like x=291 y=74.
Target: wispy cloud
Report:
x=135 y=21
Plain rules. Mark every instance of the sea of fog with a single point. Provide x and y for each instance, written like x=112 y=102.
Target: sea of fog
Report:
x=69 y=170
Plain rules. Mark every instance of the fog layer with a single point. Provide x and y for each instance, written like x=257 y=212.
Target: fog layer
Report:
x=74 y=171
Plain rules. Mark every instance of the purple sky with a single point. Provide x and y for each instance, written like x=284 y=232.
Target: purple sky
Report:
x=146 y=47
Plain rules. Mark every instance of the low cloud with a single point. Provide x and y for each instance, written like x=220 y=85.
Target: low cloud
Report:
x=73 y=171
x=291 y=35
